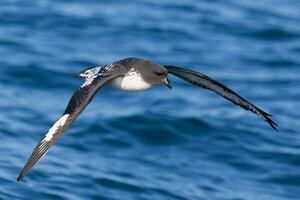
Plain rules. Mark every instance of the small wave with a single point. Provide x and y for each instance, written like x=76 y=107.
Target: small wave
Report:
x=34 y=76
x=157 y=129
x=273 y=34
x=121 y=185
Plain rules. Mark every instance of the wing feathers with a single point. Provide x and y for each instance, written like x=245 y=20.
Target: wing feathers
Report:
x=77 y=103
x=49 y=139
x=206 y=82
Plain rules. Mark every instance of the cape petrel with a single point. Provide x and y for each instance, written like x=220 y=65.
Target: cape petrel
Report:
x=130 y=74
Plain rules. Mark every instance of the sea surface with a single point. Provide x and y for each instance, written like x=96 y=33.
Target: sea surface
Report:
x=181 y=144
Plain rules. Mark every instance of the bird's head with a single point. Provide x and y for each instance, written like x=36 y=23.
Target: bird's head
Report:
x=158 y=75
x=162 y=78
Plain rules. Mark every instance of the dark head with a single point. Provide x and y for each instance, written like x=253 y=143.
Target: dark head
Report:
x=153 y=73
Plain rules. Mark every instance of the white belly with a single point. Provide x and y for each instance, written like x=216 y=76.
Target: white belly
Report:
x=131 y=82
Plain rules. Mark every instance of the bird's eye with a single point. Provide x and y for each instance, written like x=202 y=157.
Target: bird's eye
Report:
x=158 y=73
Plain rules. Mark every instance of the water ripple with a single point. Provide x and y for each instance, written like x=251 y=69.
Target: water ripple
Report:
x=183 y=143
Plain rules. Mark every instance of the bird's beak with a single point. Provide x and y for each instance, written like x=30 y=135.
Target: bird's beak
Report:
x=167 y=82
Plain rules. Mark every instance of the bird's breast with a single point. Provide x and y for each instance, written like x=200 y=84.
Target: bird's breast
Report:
x=130 y=82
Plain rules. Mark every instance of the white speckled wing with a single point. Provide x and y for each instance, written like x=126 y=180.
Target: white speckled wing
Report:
x=77 y=103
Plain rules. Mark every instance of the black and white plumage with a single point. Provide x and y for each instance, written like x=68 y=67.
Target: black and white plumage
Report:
x=130 y=74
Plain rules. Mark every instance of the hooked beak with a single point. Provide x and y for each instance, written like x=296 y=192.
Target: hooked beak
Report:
x=167 y=82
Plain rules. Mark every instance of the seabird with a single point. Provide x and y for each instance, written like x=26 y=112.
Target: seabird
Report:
x=130 y=74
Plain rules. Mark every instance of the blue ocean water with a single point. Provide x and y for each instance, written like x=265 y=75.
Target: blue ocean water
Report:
x=183 y=143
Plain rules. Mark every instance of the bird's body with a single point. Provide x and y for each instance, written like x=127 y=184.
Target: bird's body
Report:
x=132 y=81
x=130 y=74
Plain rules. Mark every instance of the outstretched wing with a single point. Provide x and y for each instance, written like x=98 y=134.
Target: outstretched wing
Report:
x=206 y=82
x=77 y=103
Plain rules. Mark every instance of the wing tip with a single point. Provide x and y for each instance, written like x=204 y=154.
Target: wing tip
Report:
x=271 y=122
x=22 y=174
x=273 y=125
x=20 y=177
